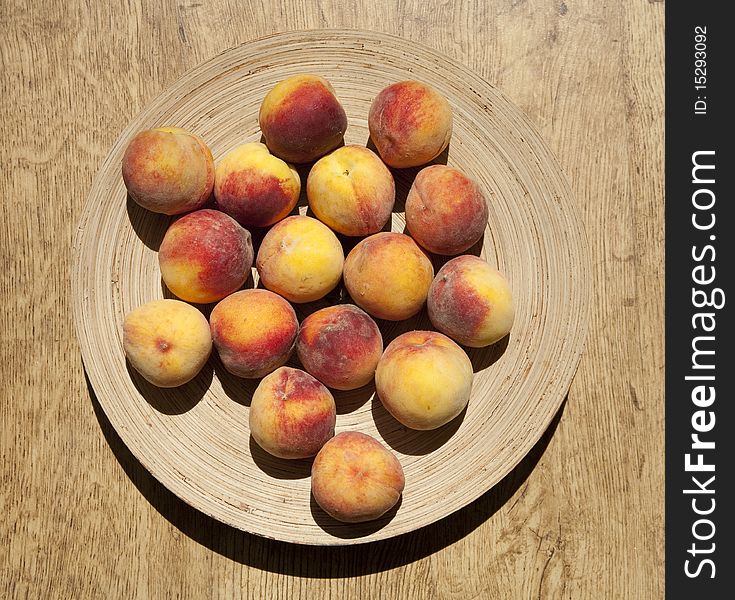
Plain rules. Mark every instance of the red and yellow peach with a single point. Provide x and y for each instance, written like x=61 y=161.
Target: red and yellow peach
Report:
x=301 y=118
x=292 y=415
x=168 y=170
x=388 y=275
x=410 y=124
x=254 y=187
x=446 y=211
x=254 y=332
x=340 y=346
x=471 y=302
x=355 y=478
x=205 y=256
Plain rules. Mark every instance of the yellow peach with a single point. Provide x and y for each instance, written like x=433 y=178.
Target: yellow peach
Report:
x=424 y=379
x=352 y=191
x=388 y=275
x=167 y=342
x=300 y=258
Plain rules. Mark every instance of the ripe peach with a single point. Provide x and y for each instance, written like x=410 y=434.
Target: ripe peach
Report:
x=340 y=346
x=352 y=191
x=254 y=187
x=471 y=302
x=355 y=478
x=254 y=332
x=388 y=275
x=301 y=118
x=167 y=342
x=410 y=124
x=292 y=415
x=424 y=379
x=300 y=258
x=204 y=256
x=446 y=212
x=168 y=170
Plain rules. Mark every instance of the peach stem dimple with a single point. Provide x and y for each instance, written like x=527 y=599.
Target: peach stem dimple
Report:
x=163 y=345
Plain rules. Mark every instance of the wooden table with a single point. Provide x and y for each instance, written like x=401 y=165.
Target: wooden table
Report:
x=581 y=517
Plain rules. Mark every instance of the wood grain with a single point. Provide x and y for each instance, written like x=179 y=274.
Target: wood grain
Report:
x=583 y=517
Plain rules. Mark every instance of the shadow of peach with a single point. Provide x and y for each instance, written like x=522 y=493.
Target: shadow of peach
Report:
x=279 y=468
x=150 y=227
x=320 y=562
x=412 y=441
x=350 y=531
x=482 y=358
x=348 y=401
x=173 y=401
x=237 y=389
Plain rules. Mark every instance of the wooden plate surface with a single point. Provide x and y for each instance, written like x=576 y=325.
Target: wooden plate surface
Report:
x=195 y=439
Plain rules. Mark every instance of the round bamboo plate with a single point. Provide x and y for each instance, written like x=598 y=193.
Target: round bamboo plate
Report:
x=195 y=439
